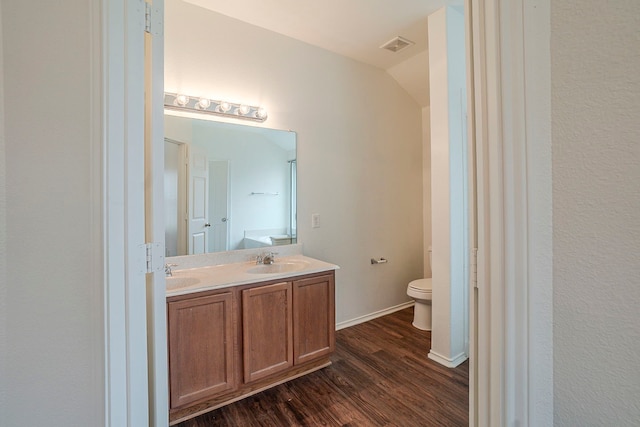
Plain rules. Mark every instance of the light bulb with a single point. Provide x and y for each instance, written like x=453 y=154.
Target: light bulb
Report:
x=225 y=106
x=203 y=103
x=244 y=109
x=261 y=113
x=181 y=100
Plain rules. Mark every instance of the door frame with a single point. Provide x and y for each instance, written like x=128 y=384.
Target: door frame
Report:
x=511 y=372
x=513 y=367
x=156 y=302
x=135 y=368
x=126 y=375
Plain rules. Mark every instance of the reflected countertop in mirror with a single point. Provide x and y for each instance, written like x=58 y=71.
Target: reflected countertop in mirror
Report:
x=228 y=186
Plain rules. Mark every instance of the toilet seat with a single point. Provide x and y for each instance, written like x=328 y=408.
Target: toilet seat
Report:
x=420 y=289
x=421 y=284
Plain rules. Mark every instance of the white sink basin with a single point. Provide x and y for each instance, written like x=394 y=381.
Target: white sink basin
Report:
x=177 y=282
x=278 y=267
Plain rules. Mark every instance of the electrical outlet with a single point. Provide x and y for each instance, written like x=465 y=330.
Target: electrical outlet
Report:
x=315 y=220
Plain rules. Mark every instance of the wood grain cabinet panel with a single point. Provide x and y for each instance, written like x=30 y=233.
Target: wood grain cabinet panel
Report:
x=267 y=330
x=201 y=348
x=314 y=322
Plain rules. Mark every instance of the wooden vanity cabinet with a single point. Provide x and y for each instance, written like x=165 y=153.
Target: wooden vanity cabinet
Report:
x=229 y=344
x=201 y=338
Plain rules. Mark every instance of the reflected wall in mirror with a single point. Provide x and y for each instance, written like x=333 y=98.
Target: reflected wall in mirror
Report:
x=227 y=186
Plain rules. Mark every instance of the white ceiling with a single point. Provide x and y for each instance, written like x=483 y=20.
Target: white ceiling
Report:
x=352 y=28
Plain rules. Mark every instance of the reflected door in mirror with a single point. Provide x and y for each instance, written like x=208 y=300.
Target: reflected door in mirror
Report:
x=219 y=205
x=198 y=197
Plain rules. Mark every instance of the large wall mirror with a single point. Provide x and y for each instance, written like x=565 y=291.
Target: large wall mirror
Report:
x=227 y=186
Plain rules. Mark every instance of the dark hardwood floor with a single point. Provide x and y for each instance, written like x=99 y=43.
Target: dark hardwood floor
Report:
x=380 y=376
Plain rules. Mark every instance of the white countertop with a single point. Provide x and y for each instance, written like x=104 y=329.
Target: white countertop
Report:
x=218 y=276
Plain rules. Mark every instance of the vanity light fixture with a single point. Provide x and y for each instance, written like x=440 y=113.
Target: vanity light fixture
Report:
x=182 y=102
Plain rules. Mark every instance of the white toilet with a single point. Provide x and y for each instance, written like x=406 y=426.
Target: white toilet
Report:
x=420 y=290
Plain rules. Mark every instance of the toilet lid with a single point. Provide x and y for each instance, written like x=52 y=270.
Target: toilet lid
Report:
x=421 y=285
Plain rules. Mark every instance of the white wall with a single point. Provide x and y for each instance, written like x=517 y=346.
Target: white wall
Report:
x=4 y=408
x=448 y=186
x=52 y=287
x=426 y=187
x=596 y=203
x=537 y=71
x=359 y=144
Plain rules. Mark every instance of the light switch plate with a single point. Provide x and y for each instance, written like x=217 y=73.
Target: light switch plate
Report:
x=315 y=220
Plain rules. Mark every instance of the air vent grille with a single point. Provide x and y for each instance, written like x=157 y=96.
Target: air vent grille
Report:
x=397 y=44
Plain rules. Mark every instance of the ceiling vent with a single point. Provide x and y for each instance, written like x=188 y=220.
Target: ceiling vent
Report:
x=397 y=44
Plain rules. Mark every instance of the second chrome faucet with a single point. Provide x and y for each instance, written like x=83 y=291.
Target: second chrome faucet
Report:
x=268 y=258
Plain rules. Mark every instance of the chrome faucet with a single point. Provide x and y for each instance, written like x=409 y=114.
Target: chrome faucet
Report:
x=167 y=269
x=269 y=258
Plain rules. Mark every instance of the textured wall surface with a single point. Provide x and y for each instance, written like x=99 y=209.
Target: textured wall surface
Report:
x=54 y=342
x=3 y=239
x=537 y=56
x=595 y=50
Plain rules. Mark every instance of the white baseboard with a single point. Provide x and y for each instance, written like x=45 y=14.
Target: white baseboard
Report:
x=373 y=315
x=449 y=363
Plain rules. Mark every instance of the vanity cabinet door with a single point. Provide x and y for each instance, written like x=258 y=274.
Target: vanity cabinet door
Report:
x=314 y=322
x=266 y=330
x=201 y=339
